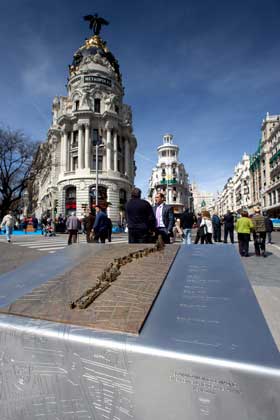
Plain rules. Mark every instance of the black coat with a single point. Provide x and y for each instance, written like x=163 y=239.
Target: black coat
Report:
x=167 y=216
x=187 y=220
x=140 y=215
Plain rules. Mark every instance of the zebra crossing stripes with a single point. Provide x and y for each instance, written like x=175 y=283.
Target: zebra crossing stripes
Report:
x=54 y=243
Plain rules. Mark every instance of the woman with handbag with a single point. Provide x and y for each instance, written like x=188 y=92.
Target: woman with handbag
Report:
x=206 y=228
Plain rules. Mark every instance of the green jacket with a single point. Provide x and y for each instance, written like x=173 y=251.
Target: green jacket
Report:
x=244 y=225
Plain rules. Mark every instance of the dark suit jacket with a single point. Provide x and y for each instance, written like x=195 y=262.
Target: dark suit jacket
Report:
x=139 y=215
x=167 y=216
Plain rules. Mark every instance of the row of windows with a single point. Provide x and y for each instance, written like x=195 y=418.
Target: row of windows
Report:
x=165 y=153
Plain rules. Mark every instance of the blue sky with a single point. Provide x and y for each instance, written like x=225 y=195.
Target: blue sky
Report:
x=205 y=71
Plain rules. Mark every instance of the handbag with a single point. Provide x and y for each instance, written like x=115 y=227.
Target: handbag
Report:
x=203 y=229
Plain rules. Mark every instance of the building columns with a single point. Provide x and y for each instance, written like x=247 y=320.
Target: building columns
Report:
x=80 y=148
x=109 y=150
x=115 y=151
x=126 y=157
x=63 y=151
x=87 y=147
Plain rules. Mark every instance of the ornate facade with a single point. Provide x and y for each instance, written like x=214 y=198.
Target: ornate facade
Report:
x=92 y=113
x=170 y=177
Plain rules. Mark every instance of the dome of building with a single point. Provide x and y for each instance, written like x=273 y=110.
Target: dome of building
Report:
x=94 y=54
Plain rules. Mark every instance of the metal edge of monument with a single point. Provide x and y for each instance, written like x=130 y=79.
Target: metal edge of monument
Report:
x=204 y=351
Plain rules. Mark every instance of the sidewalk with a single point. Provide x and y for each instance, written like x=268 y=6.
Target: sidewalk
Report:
x=264 y=276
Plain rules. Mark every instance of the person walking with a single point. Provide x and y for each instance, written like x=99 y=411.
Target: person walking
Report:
x=268 y=227
x=35 y=223
x=110 y=228
x=187 y=221
x=164 y=218
x=244 y=226
x=140 y=219
x=198 y=221
x=228 y=226
x=100 y=226
x=72 y=225
x=259 y=232
x=8 y=222
x=206 y=228
x=88 y=226
x=216 y=222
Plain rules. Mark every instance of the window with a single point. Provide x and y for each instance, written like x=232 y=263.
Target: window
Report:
x=97 y=105
x=172 y=153
x=77 y=104
x=95 y=138
x=75 y=139
x=100 y=160
x=117 y=109
x=163 y=153
x=75 y=163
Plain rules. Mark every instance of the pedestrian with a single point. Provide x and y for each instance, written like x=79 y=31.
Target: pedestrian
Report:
x=206 y=228
x=187 y=221
x=88 y=226
x=72 y=225
x=140 y=219
x=268 y=227
x=164 y=218
x=25 y=224
x=216 y=222
x=35 y=223
x=259 y=232
x=228 y=226
x=244 y=226
x=100 y=226
x=8 y=223
x=198 y=221
x=110 y=227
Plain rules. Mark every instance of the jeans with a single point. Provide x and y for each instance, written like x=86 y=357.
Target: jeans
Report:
x=188 y=236
x=9 y=231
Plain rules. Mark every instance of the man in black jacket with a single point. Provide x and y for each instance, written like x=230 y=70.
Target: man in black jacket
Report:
x=228 y=226
x=164 y=218
x=140 y=219
x=187 y=220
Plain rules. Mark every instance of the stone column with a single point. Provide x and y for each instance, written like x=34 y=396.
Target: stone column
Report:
x=70 y=157
x=126 y=157
x=115 y=151
x=80 y=148
x=87 y=147
x=63 y=151
x=109 y=150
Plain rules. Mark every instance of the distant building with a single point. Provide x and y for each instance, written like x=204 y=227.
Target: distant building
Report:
x=201 y=199
x=92 y=113
x=170 y=177
x=265 y=168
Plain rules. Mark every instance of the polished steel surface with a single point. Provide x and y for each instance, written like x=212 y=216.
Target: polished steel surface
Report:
x=205 y=352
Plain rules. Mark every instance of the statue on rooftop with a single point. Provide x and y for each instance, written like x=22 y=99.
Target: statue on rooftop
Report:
x=95 y=23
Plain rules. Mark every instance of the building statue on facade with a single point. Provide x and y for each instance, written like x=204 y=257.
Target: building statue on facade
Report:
x=110 y=101
x=95 y=22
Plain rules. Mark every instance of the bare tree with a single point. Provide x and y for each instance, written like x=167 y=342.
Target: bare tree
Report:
x=16 y=167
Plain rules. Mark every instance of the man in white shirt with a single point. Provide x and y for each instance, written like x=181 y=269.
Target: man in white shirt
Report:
x=8 y=222
x=164 y=218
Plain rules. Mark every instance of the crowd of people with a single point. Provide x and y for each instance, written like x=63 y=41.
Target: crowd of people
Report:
x=145 y=223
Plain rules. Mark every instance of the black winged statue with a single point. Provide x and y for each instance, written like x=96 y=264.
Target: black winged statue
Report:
x=95 y=23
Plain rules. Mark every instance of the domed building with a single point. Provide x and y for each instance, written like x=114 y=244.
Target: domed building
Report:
x=91 y=140
x=170 y=177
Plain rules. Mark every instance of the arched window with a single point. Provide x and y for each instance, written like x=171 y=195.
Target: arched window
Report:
x=123 y=198
x=102 y=196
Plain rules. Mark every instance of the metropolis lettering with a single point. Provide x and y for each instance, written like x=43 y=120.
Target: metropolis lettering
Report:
x=97 y=79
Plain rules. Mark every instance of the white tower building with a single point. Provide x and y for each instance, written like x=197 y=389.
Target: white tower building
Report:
x=170 y=177
x=92 y=112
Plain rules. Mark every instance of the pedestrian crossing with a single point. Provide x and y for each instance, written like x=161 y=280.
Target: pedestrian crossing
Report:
x=55 y=243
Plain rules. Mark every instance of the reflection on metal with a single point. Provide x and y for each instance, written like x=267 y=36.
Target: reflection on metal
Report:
x=205 y=352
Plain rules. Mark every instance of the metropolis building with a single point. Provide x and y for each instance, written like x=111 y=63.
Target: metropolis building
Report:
x=170 y=177
x=92 y=113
